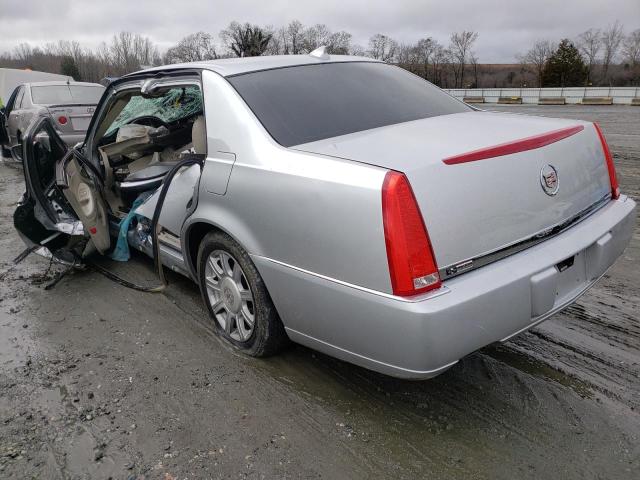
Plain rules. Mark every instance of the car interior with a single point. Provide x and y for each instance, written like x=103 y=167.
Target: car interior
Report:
x=142 y=137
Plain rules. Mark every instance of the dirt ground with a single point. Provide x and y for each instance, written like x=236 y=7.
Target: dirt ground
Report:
x=99 y=381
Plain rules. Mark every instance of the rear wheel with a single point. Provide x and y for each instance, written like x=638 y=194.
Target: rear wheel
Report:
x=236 y=297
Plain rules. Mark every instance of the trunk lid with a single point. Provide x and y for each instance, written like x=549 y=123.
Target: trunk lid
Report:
x=476 y=209
x=78 y=117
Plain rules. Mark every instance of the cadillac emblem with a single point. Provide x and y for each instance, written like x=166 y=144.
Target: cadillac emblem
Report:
x=549 y=180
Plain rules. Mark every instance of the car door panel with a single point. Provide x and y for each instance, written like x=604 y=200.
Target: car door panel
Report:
x=4 y=126
x=63 y=196
x=41 y=211
x=85 y=197
x=13 y=117
x=4 y=137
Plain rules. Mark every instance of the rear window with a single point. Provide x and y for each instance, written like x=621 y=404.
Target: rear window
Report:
x=312 y=102
x=66 y=94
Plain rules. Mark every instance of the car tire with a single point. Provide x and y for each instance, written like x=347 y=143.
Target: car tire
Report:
x=238 y=301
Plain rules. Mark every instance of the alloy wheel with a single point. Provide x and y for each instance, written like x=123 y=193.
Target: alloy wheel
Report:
x=230 y=295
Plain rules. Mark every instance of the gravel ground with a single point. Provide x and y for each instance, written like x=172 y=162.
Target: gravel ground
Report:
x=98 y=381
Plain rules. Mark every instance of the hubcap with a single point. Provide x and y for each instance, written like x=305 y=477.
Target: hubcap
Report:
x=230 y=295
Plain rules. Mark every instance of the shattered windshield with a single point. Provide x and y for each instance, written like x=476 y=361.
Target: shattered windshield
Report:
x=176 y=104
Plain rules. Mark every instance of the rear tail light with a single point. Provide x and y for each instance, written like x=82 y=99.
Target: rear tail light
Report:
x=615 y=189
x=62 y=120
x=412 y=265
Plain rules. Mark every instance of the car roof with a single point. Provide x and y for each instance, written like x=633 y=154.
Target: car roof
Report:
x=58 y=83
x=235 y=66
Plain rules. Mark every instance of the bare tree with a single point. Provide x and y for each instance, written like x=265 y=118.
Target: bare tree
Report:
x=315 y=36
x=277 y=42
x=408 y=57
x=23 y=52
x=357 y=50
x=192 y=48
x=426 y=49
x=631 y=48
x=129 y=52
x=589 y=44
x=440 y=58
x=246 y=40
x=460 y=47
x=339 y=43
x=382 y=47
x=294 y=38
x=611 y=39
x=538 y=56
x=475 y=69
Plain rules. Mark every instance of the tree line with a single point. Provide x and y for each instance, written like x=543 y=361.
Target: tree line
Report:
x=596 y=57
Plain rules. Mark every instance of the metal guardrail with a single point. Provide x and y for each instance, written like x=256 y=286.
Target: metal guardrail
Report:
x=571 y=95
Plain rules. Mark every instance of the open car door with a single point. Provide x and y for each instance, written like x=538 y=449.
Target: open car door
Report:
x=4 y=135
x=62 y=209
x=4 y=119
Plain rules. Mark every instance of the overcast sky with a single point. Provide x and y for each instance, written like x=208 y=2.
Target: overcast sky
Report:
x=505 y=27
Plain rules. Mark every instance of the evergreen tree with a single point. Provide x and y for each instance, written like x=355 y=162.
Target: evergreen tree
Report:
x=565 y=67
x=68 y=67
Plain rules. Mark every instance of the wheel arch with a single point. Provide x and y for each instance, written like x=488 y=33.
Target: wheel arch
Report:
x=193 y=235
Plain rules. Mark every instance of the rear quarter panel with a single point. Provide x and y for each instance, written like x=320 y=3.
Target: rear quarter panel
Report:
x=308 y=211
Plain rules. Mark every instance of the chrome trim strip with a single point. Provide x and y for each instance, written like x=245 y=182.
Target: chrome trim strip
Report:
x=417 y=298
x=470 y=264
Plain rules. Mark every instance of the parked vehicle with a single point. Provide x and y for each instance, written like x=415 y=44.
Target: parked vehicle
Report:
x=69 y=104
x=338 y=202
x=10 y=79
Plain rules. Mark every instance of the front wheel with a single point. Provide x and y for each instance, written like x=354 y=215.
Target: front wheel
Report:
x=237 y=299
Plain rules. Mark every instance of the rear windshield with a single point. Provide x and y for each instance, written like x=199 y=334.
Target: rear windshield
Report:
x=66 y=94
x=312 y=102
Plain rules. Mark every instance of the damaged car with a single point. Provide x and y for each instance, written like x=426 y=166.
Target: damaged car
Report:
x=337 y=202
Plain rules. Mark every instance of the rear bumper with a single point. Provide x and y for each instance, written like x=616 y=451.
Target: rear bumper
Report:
x=423 y=336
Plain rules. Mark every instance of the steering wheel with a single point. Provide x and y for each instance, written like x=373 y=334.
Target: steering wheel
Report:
x=149 y=121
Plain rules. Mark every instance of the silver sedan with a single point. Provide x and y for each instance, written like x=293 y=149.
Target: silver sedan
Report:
x=69 y=104
x=337 y=202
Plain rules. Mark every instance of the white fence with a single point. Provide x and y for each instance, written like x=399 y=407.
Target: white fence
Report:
x=618 y=95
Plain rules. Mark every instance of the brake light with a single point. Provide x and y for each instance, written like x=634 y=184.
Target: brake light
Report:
x=62 y=120
x=615 y=189
x=412 y=265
